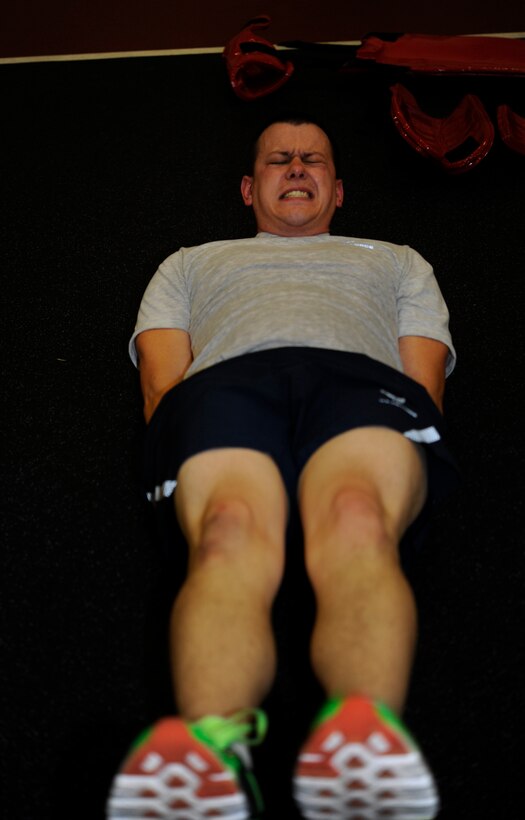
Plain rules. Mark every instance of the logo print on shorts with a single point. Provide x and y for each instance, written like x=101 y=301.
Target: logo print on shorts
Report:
x=396 y=401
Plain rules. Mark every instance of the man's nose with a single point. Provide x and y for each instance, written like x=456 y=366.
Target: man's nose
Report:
x=296 y=168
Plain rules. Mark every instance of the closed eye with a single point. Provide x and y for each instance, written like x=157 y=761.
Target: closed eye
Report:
x=307 y=159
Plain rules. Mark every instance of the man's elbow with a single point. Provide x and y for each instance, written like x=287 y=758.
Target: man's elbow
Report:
x=153 y=391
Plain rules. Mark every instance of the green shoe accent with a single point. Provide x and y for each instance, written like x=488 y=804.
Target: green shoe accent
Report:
x=142 y=738
x=391 y=719
x=329 y=709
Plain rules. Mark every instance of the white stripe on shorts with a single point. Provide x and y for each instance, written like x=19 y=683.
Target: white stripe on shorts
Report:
x=163 y=490
x=427 y=435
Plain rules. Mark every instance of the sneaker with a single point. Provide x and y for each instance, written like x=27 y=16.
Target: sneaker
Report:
x=360 y=762
x=191 y=771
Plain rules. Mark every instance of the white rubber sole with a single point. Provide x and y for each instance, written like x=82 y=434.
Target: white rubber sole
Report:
x=337 y=779
x=175 y=778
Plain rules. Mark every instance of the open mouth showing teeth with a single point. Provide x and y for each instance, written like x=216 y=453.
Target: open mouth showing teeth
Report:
x=297 y=195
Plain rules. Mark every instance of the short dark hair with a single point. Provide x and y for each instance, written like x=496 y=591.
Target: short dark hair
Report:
x=295 y=118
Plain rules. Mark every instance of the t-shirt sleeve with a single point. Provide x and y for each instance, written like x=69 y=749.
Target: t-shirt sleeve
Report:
x=165 y=303
x=422 y=310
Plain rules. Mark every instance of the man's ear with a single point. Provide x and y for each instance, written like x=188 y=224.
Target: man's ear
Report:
x=339 y=192
x=247 y=190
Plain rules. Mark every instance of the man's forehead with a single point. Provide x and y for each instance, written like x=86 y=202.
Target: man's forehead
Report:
x=288 y=138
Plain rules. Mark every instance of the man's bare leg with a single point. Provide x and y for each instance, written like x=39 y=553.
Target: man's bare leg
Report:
x=358 y=494
x=232 y=507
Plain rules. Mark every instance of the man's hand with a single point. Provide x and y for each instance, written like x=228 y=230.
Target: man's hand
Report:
x=424 y=361
x=164 y=356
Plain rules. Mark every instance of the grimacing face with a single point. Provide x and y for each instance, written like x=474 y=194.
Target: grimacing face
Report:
x=293 y=190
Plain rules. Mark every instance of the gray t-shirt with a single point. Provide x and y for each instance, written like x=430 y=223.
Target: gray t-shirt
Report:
x=244 y=295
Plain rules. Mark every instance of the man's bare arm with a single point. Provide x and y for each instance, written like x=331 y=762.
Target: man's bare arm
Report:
x=424 y=361
x=164 y=356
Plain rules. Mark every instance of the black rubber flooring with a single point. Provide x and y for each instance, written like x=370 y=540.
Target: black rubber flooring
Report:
x=106 y=168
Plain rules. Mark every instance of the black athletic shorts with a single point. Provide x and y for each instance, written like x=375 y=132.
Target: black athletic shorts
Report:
x=287 y=402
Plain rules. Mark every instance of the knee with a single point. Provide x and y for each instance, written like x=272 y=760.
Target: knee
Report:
x=357 y=516
x=233 y=537
x=353 y=526
x=226 y=525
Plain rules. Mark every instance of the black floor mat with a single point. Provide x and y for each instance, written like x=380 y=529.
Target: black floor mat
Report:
x=106 y=168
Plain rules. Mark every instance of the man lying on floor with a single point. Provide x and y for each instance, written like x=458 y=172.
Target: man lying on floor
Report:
x=294 y=367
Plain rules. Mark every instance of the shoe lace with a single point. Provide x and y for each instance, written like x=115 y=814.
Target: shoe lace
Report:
x=248 y=726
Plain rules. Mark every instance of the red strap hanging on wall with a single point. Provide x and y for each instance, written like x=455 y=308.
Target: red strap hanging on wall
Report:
x=511 y=128
x=452 y=55
x=253 y=63
x=458 y=142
